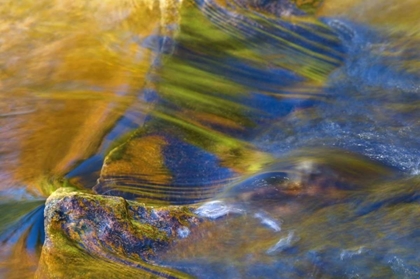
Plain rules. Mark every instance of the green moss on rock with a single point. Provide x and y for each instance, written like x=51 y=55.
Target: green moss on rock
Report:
x=94 y=236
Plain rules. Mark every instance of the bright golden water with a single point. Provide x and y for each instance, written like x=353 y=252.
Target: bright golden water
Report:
x=300 y=114
x=69 y=71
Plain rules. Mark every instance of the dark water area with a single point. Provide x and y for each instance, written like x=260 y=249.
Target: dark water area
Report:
x=292 y=126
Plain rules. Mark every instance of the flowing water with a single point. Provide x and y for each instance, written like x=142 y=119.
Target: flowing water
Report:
x=292 y=124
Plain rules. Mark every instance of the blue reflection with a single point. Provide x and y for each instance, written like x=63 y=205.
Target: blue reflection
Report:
x=36 y=234
x=191 y=166
x=30 y=226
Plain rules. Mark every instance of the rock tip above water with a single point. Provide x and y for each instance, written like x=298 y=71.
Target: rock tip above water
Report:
x=90 y=233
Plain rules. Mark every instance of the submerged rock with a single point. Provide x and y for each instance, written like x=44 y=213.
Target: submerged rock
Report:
x=94 y=236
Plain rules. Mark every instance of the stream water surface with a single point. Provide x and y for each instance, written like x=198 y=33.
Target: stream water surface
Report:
x=292 y=125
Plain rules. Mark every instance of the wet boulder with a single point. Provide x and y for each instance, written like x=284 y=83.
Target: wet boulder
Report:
x=94 y=236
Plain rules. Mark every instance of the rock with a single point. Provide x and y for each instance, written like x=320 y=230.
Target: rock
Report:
x=94 y=236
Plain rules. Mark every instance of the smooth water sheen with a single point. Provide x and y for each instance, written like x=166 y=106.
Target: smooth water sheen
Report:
x=293 y=125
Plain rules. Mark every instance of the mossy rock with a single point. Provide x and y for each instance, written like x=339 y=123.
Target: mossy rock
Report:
x=94 y=236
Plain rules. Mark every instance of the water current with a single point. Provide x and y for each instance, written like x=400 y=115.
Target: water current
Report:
x=293 y=125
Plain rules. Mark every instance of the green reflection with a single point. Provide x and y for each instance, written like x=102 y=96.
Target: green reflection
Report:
x=13 y=211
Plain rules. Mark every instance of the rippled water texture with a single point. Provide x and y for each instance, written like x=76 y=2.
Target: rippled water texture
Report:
x=293 y=126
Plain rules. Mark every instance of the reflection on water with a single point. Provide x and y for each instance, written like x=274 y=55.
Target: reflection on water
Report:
x=21 y=233
x=295 y=123
x=346 y=234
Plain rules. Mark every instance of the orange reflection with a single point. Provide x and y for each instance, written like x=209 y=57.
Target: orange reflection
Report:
x=139 y=157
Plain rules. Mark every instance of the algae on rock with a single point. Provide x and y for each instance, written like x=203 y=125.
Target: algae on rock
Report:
x=94 y=236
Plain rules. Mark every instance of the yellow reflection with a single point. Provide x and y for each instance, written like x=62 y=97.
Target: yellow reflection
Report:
x=81 y=64
x=21 y=263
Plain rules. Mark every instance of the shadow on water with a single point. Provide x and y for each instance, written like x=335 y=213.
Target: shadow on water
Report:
x=295 y=129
